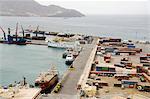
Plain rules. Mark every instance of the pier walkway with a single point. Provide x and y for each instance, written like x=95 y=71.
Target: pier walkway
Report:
x=70 y=83
x=72 y=77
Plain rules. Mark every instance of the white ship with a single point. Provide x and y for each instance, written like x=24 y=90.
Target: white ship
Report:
x=58 y=43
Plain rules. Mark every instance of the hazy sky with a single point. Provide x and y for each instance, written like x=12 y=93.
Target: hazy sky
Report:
x=103 y=6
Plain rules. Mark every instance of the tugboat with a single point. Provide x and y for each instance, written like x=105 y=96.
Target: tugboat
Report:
x=69 y=59
x=68 y=51
x=47 y=80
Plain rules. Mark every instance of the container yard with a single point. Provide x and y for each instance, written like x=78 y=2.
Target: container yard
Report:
x=117 y=68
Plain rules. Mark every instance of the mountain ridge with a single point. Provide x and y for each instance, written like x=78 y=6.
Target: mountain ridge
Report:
x=33 y=8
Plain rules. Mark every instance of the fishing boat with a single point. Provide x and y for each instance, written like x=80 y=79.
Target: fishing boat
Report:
x=69 y=59
x=47 y=80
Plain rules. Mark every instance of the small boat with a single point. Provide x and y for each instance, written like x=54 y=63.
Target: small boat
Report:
x=67 y=51
x=69 y=59
x=47 y=80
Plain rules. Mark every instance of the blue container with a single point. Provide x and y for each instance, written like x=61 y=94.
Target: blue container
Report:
x=98 y=68
x=131 y=46
x=128 y=82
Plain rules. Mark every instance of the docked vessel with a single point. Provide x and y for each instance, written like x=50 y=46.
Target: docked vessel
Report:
x=67 y=51
x=15 y=39
x=60 y=44
x=47 y=80
x=69 y=59
x=36 y=32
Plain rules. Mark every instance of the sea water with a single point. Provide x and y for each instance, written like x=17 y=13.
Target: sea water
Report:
x=28 y=61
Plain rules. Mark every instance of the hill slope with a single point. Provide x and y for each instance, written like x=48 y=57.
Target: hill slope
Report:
x=32 y=8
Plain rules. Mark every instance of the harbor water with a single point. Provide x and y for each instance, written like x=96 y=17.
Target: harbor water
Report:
x=28 y=61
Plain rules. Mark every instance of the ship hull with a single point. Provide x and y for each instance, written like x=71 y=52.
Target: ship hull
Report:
x=49 y=85
x=68 y=62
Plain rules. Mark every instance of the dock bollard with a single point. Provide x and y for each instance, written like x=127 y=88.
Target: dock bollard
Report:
x=71 y=67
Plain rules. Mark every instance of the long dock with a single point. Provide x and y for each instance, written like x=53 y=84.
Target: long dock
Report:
x=70 y=84
x=38 y=42
x=72 y=77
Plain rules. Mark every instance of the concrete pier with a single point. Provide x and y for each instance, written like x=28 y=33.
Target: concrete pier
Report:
x=72 y=77
x=38 y=42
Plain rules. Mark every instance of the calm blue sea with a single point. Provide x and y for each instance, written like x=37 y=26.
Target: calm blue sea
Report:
x=29 y=61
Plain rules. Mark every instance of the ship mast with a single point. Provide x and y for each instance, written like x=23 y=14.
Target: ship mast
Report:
x=8 y=31
x=22 y=31
x=37 y=29
x=3 y=33
x=16 y=31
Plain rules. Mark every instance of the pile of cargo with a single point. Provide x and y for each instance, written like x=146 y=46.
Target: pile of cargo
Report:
x=145 y=59
x=124 y=63
x=142 y=69
x=107 y=58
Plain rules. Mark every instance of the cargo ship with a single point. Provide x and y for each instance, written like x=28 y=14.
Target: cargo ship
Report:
x=47 y=80
x=15 y=39
x=36 y=37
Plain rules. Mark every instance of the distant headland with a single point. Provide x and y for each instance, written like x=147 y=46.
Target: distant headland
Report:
x=33 y=8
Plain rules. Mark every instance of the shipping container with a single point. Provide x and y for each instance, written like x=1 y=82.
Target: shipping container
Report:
x=112 y=69
x=98 y=68
x=104 y=68
x=129 y=82
x=117 y=85
x=131 y=46
x=120 y=65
